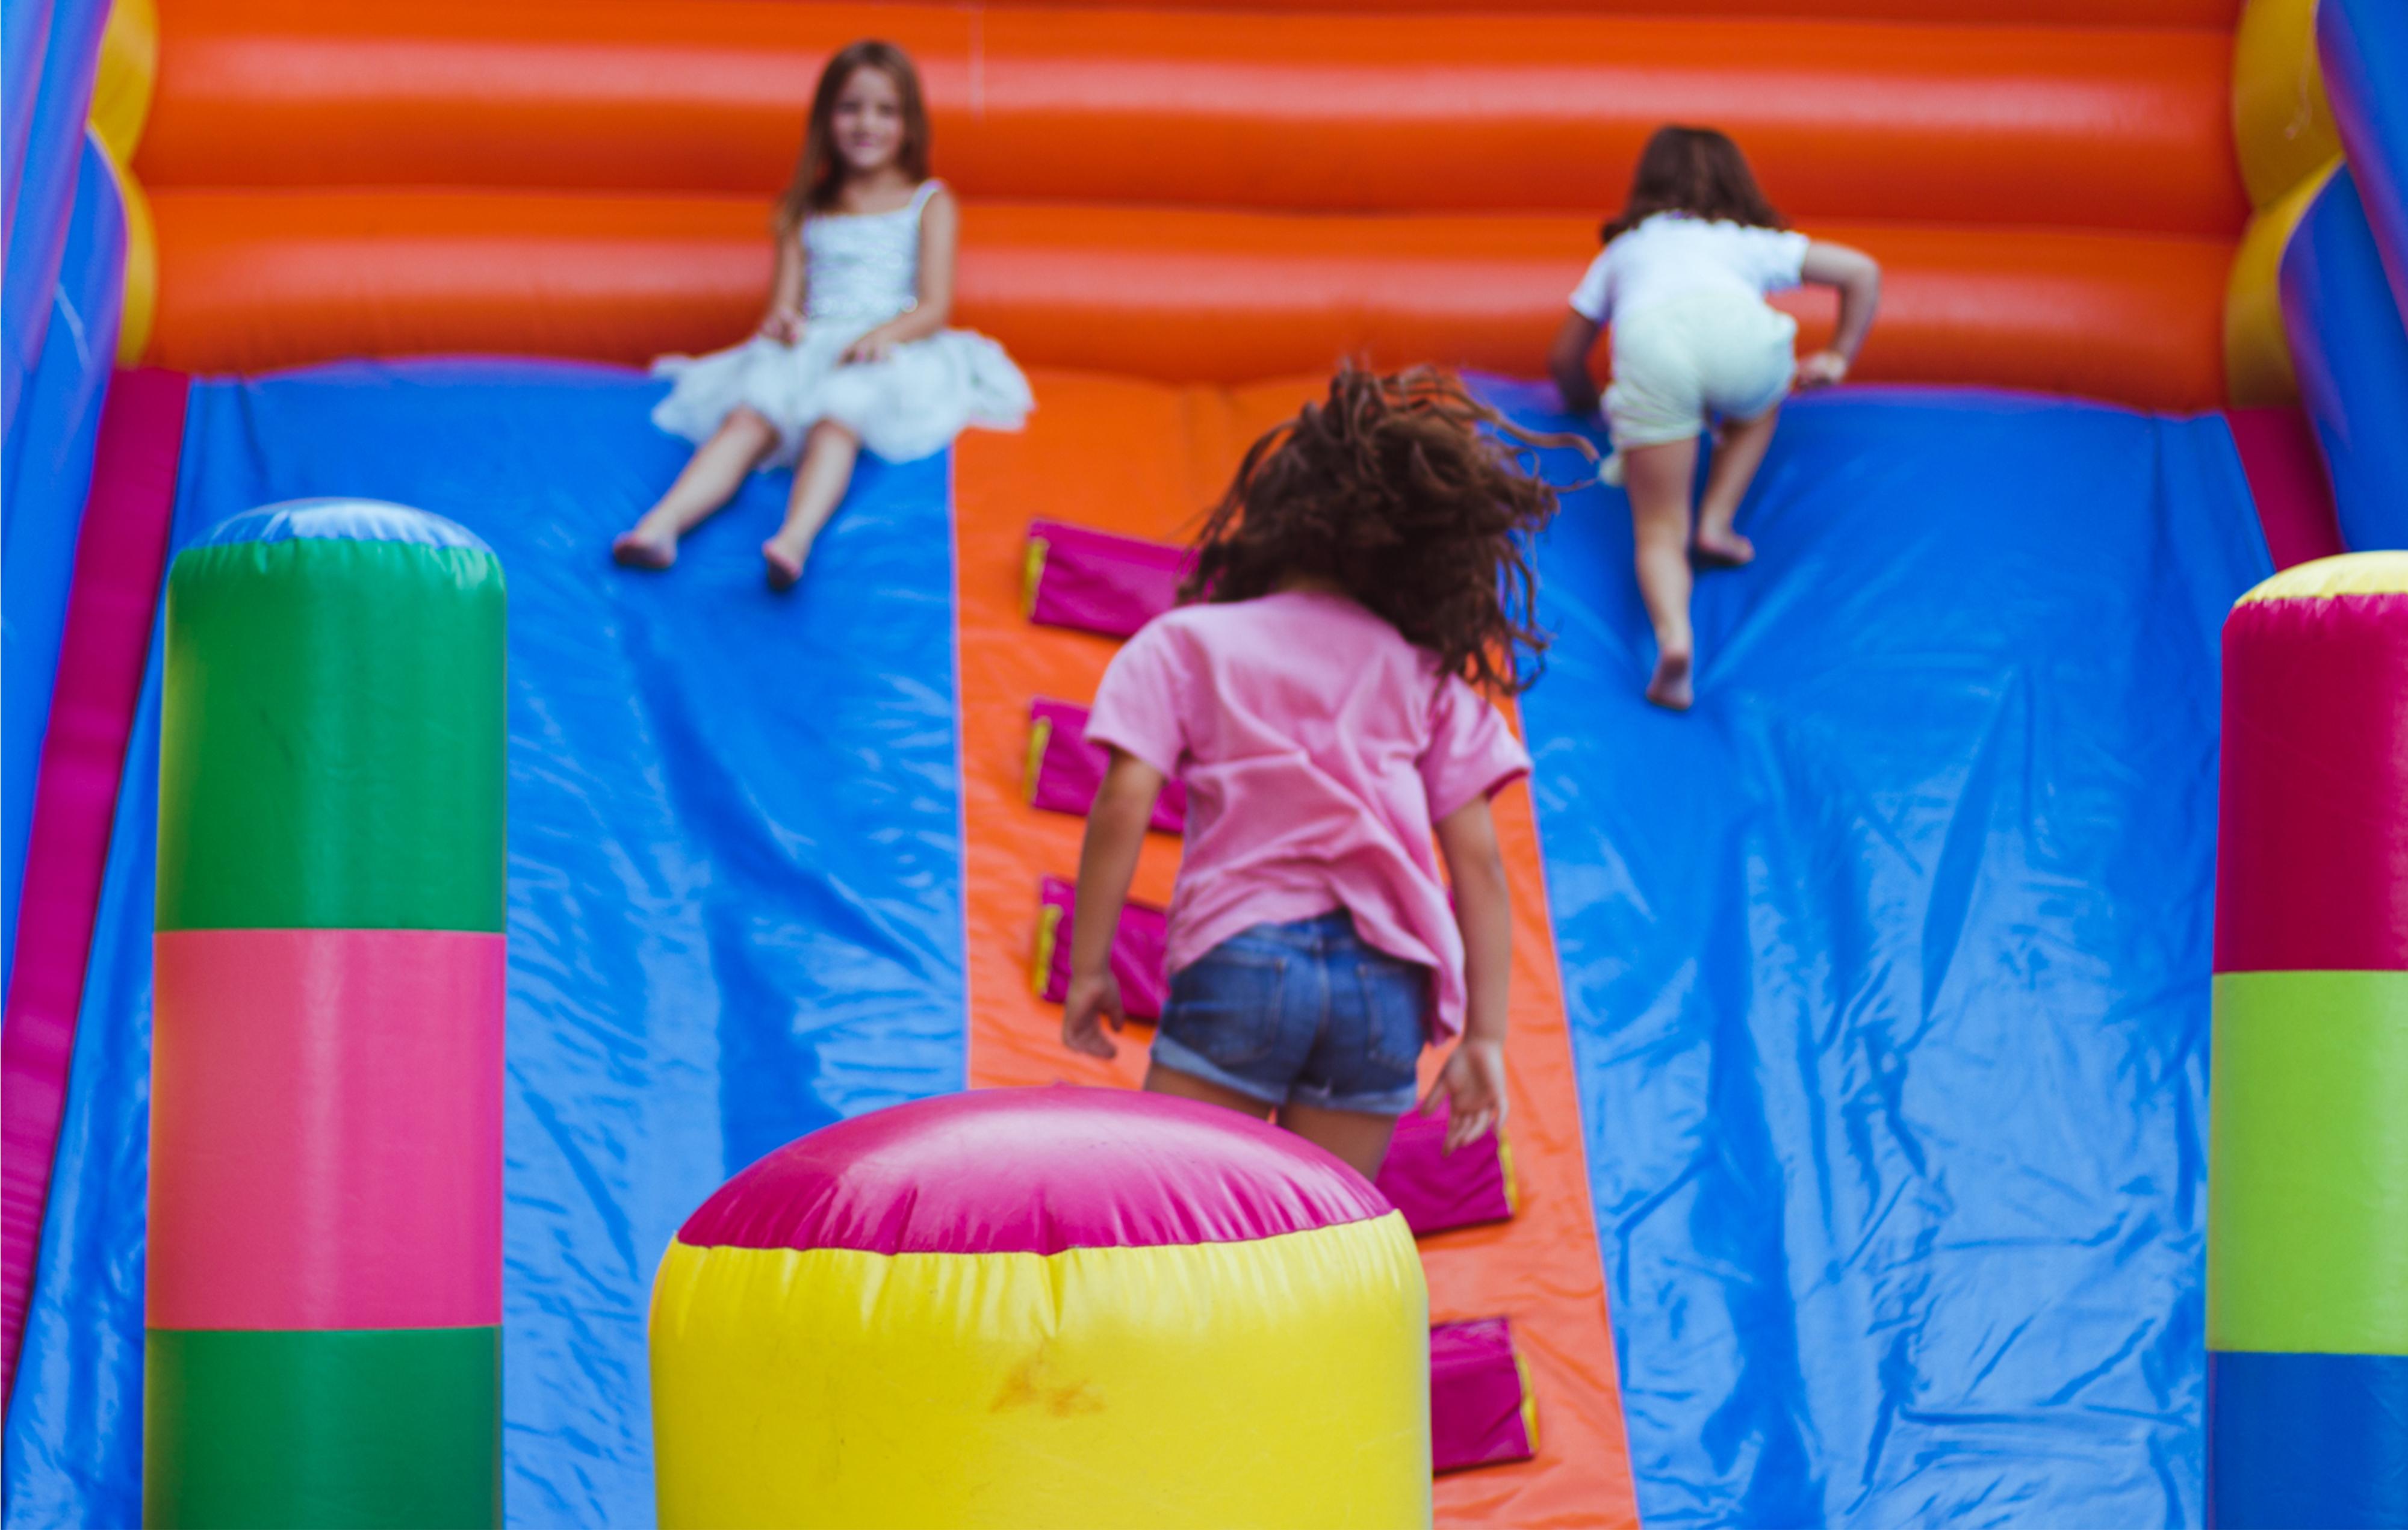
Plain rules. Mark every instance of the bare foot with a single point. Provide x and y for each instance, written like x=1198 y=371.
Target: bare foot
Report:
x=1723 y=549
x=785 y=564
x=1670 y=688
x=640 y=549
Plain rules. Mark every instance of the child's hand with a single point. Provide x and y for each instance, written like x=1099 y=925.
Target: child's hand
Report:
x=1821 y=370
x=1473 y=1082
x=782 y=324
x=1091 y=1001
x=875 y=346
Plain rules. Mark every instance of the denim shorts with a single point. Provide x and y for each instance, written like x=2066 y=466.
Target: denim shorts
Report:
x=1303 y=1011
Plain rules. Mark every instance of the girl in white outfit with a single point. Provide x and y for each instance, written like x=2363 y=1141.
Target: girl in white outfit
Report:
x=1682 y=279
x=853 y=351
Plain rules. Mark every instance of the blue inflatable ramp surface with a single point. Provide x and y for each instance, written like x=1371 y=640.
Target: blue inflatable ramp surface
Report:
x=735 y=889
x=1887 y=965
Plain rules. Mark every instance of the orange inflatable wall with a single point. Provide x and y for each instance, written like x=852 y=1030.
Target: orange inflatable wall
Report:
x=1178 y=196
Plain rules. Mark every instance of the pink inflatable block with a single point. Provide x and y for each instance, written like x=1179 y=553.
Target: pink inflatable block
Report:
x=377 y=1203
x=1140 y=950
x=1097 y=580
x=1065 y=770
x=1481 y=1408
x=1437 y=1190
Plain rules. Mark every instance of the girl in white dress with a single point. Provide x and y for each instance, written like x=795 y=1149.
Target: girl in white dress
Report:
x=854 y=351
x=1682 y=279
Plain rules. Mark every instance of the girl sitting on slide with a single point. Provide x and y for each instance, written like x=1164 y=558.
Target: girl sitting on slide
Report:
x=1682 y=279
x=853 y=351
x=1314 y=694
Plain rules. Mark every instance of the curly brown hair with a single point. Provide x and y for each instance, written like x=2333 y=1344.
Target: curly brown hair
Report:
x=1695 y=170
x=1408 y=495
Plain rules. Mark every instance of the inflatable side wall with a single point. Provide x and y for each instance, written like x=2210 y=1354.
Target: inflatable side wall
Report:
x=74 y=300
x=58 y=320
x=2315 y=304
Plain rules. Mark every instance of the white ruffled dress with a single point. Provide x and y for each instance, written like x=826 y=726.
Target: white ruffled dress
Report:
x=861 y=270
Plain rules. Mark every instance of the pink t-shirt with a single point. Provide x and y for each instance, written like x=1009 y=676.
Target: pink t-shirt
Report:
x=1318 y=747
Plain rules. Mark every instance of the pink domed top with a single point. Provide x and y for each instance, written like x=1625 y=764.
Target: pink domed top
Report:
x=1034 y=1172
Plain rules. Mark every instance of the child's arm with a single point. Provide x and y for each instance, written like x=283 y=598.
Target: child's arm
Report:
x=784 y=320
x=1473 y=1079
x=1857 y=275
x=1568 y=362
x=941 y=232
x=1115 y=832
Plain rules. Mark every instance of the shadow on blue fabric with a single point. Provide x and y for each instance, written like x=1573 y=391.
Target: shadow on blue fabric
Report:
x=1887 y=965
x=734 y=888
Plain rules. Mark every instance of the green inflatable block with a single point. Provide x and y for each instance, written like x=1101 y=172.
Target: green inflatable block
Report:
x=2307 y=1179
x=342 y=1429
x=332 y=737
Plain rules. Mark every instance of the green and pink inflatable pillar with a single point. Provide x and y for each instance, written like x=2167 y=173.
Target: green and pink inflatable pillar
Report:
x=325 y=1267
x=2307 y=1258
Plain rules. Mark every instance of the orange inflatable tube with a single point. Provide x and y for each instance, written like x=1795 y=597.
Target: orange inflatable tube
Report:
x=256 y=279
x=2214 y=14
x=1143 y=458
x=1844 y=120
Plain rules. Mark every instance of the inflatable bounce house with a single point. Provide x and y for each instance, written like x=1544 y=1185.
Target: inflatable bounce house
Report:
x=494 y=1037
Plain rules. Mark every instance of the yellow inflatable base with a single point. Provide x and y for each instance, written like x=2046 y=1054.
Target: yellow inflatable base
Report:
x=1280 y=1381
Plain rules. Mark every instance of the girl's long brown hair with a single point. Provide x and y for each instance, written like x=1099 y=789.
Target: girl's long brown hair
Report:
x=1408 y=495
x=820 y=172
x=1695 y=170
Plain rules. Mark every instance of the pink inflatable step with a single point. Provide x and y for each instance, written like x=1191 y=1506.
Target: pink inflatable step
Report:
x=1481 y=1408
x=1140 y=950
x=1098 y=580
x=1437 y=1190
x=1065 y=770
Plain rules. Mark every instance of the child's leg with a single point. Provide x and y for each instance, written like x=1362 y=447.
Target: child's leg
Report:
x=1187 y=1086
x=1658 y=479
x=711 y=477
x=1360 y=1139
x=1736 y=459
x=820 y=480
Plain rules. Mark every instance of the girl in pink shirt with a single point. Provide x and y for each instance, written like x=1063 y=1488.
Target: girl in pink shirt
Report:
x=1314 y=691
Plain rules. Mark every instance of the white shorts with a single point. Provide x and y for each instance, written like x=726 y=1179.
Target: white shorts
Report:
x=1678 y=361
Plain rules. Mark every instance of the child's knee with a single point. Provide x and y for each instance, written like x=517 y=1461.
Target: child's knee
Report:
x=749 y=423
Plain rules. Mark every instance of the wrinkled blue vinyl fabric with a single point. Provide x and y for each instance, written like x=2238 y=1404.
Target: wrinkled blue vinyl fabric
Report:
x=45 y=141
x=1887 y=965
x=734 y=888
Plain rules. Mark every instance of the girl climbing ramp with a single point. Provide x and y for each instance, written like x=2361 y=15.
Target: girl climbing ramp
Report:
x=853 y=351
x=1682 y=278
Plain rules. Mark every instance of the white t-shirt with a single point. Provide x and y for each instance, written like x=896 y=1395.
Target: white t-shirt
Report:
x=1674 y=254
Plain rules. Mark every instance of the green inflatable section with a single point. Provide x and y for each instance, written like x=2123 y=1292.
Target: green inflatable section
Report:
x=333 y=711
x=328 y=1430
x=2307 y=1218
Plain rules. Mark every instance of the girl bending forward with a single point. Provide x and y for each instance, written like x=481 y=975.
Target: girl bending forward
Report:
x=1315 y=695
x=853 y=351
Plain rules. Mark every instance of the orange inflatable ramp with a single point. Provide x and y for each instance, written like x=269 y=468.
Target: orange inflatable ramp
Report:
x=2023 y=125
x=1144 y=459
x=261 y=278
